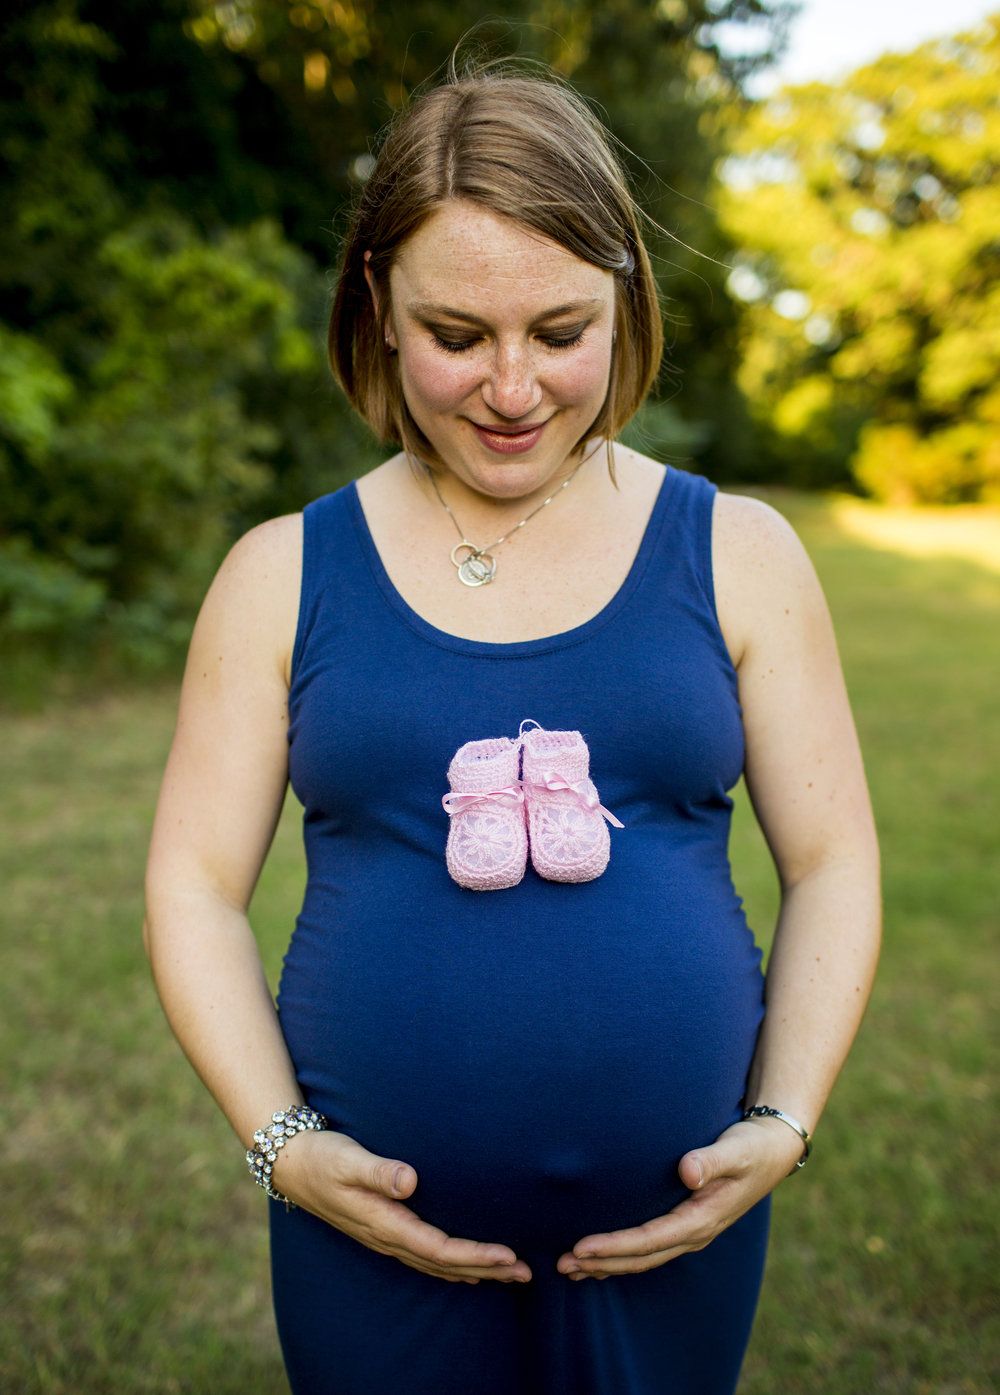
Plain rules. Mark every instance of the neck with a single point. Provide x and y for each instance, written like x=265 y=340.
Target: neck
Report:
x=479 y=514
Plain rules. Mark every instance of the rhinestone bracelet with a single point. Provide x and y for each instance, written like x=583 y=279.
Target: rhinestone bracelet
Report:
x=764 y=1111
x=285 y=1123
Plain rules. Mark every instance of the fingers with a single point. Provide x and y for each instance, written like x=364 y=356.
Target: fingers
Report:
x=364 y=1196
x=452 y=1255
x=426 y=1247
x=390 y=1177
x=431 y=1251
x=729 y=1156
x=356 y=1167
x=690 y=1226
x=725 y=1180
x=694 y=1171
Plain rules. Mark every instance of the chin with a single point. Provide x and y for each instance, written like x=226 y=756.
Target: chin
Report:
x=512 y=480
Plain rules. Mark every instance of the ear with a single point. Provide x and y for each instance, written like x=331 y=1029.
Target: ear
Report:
x=390 y=337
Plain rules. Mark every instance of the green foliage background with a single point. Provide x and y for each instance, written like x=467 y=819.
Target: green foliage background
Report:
x=867 y=218
x=174 y=177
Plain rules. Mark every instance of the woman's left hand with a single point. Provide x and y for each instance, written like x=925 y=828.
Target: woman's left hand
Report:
x=726 y=1179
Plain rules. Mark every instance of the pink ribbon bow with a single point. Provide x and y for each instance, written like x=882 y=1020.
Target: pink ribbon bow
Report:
x=583 y=790
x=457 y=803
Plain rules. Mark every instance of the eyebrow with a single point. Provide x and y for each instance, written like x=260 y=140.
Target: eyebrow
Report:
x=427 y=310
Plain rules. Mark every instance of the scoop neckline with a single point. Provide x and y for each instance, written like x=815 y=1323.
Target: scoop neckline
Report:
x=522 y=647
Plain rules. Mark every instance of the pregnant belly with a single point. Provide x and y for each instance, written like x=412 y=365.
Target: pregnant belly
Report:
x=539 y=1095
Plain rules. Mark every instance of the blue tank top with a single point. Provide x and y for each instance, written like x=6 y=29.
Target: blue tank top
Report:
x=543 y=1055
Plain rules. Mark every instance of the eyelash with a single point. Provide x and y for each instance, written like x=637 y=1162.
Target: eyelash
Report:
x=459 y=346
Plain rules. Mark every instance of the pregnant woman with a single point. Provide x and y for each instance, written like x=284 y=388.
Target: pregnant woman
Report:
x=525 y=1093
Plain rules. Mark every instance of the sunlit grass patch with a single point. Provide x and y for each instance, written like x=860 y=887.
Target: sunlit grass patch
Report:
x=882 y=1273
x=968 y=531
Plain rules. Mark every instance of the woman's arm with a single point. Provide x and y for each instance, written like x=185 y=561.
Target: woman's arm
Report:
x=806 y=782
x=220 y=801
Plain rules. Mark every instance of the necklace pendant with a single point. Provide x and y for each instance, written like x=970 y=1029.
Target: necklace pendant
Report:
x=477 y=570
x=477 y=566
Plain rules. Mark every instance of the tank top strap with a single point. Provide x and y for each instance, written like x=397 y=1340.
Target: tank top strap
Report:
x=330 y=557
x=679 y=538
x=673 y=566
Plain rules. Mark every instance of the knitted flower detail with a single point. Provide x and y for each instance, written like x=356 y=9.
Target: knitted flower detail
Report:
x=566 y=834
x=485 y=842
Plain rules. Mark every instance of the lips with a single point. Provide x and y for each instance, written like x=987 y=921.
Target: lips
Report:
x=506 y=440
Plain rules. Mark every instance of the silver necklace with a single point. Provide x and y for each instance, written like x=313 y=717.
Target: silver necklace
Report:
x=477 y=566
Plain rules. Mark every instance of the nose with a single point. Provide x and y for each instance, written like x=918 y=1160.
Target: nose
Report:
x=511 y=388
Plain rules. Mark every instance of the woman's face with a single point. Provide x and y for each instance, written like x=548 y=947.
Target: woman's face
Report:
x=504 y=342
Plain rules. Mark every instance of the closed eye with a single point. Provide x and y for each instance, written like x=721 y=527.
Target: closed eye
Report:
x=453 y=346
x=562 y=341
x=551 y=341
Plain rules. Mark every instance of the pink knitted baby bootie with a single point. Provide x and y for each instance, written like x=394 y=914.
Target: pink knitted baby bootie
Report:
x=487 y=840
x=566 y=821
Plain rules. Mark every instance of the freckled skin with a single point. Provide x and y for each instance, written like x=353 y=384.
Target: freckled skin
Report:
x=534 y=341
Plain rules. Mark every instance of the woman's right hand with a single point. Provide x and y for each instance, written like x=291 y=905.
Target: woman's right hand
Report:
x=363 y=1195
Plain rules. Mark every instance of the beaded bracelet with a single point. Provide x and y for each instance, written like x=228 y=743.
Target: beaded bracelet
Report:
x=285 y=1123
x=764 y=1111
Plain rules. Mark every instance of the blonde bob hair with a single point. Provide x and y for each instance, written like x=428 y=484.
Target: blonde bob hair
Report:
x=527 y=148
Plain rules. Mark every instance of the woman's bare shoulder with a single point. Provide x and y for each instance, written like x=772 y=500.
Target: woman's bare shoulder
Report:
x=753 y=541
x=761 y=569
x=746 y=524
x=264 y=563
x=269 y=550
x=254 y=600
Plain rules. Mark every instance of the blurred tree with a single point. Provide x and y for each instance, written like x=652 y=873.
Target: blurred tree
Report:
x=868 y=221
x=174 y=175
x=162 y=382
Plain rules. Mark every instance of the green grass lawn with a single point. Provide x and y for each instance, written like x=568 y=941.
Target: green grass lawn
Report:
x=133 y=1254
